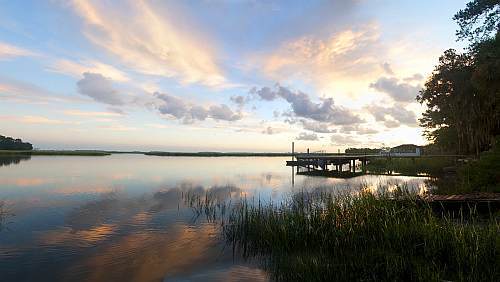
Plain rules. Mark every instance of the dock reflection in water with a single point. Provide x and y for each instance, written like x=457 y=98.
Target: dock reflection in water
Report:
x=124 y=217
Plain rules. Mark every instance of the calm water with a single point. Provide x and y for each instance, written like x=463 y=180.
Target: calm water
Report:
x=123 y=217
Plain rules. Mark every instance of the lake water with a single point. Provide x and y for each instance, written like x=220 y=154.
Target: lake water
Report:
x=123 y=217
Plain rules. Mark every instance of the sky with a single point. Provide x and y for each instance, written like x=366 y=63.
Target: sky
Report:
x=219 y=75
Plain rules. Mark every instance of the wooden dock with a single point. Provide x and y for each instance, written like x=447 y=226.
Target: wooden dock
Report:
x=482 y=202
x=472 y=197
x=325 y=162
x=344 y=163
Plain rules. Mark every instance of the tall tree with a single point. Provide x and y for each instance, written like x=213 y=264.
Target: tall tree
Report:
x=463 y=93
x=486 y=79
x=479 y=20
x=446 y=95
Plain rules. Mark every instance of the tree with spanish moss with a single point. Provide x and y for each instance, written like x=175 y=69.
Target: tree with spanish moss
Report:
x=463 y=93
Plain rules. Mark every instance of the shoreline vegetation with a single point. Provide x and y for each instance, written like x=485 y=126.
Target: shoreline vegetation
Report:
x=156 y=153
x=216 y=154
x=383 y=235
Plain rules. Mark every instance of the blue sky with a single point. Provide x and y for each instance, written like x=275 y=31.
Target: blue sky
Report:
x=218 y=75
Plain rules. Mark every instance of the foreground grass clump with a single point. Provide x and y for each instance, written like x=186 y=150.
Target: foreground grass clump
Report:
x=365 y=237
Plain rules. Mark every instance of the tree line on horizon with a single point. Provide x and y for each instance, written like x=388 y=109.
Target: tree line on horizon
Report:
x=462 y=94
x=9 y=143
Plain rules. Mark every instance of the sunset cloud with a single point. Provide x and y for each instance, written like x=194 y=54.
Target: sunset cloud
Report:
x=344 y=54
x=148 y=42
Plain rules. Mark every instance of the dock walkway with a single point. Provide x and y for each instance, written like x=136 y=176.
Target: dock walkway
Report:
x=483 y=202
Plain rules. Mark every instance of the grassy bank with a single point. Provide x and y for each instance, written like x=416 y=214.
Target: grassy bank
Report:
x=410 y=166
x=478 y=175
x=483 y=174
x=55 y=153
x=320 y=237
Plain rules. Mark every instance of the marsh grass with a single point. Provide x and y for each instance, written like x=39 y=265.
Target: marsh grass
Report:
x=390 y=236
x=362 y=236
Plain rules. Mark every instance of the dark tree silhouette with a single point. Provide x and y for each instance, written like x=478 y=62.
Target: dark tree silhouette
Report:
x=9 y=143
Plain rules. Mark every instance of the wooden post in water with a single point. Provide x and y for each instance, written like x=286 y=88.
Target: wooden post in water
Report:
x=308 y=165
x=293 y=167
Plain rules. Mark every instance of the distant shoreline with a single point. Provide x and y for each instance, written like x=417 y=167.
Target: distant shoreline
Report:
x=152 y=153
x=55 y=153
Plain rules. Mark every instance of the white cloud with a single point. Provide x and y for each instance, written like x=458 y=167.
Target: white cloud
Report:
x=77 y=69
x=397 y=90
x=19 y=91
x=315 y=126
x=117 y=127
x=91 y=114
x=8 y=51
x=269 y=131
x=302 y=106
x=307 y=136
x=393 y=115
x=32 y=119
x=359 y=130
x=343 y=140
x=156 y=125
x=188 y=112
x=99 y=88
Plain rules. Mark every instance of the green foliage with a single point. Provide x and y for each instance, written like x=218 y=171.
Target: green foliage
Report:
x=9 y=143
x=388 y=237
x=367 y=151
x=482 y=175
x=478 y=20
x=445 y=147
